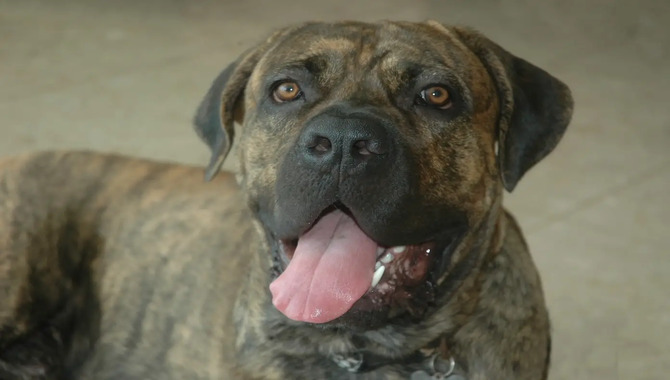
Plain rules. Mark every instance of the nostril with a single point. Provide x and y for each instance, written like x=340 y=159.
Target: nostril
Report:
x=323 y=145
x=319 y=144
x=361 y=147
x=369 y=147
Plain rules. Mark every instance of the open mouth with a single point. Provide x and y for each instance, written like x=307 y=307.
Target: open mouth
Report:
x=334 y=267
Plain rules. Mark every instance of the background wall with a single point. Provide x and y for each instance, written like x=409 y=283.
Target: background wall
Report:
x=126 y=76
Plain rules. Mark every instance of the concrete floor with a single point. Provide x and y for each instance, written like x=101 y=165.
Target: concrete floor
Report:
x=126 y=76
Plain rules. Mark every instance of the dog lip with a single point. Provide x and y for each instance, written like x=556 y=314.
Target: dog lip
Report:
x=383 y=238
x=287 y=245
x=286 y=250
x=292 y=237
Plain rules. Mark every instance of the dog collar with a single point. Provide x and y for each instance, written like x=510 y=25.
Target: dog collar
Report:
x=433 y=362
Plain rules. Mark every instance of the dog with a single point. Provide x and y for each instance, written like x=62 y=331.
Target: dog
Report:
x=362 y=235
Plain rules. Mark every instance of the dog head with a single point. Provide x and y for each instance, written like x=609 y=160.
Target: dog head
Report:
x=369 y=153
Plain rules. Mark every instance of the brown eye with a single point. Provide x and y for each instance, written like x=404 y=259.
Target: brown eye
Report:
x=286 y=92
x=436 y=96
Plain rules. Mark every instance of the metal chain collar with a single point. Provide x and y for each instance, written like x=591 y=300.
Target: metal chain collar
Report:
x=438 y=364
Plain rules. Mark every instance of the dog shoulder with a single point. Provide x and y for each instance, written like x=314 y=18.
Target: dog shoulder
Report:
x=511 y=299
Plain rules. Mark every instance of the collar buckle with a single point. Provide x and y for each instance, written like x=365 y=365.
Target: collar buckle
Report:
x=351 y=363
x=437 y=362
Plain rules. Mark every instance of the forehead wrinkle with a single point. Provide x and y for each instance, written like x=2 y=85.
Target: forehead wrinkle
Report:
x=418 y=54
x=458 y=53
x=299 y=63
x=431 y=40
x=370 y=60
x=448 y=33
x=303 y=50
x=320 y=56
x=330 y=44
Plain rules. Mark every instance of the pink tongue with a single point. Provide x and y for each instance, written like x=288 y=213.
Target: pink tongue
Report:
x=330 y=270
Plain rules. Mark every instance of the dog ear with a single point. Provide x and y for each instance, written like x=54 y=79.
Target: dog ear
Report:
x=535 y=107
x=223 y=104
x=222 y=107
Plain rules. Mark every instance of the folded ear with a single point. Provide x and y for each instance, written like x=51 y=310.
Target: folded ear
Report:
x=535 y=107
x=221 y=107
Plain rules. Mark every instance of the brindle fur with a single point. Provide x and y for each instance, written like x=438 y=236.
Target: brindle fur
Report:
x=119 y=268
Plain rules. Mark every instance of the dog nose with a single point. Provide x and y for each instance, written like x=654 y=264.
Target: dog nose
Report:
x=357 y=141
x=354 y=141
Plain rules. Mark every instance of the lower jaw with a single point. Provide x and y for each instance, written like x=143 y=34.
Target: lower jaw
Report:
x=373 y=310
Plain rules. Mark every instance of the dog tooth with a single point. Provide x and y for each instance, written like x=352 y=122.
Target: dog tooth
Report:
x=377 y=265
x=387 y=258
x=379 y=272
x=398 y=249
x=380 y=250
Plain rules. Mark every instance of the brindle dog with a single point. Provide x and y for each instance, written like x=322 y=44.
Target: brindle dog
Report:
x=363 y=236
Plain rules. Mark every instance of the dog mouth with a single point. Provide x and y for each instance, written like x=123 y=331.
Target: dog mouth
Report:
x=335 y=267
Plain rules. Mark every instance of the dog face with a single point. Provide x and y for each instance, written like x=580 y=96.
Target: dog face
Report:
x=370 y=153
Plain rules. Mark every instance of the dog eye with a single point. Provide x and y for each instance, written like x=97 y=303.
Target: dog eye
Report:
x=286 y=91
x=435 y=96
